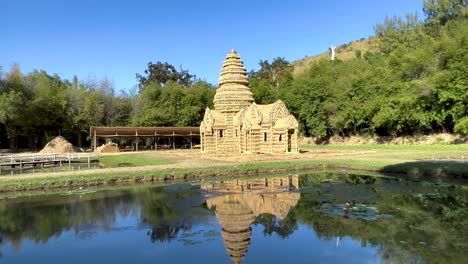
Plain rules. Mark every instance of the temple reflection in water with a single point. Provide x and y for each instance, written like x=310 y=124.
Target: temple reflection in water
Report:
x=238 y=202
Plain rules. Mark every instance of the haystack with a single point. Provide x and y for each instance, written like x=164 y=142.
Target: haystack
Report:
x=108 y=148
x=59 y=145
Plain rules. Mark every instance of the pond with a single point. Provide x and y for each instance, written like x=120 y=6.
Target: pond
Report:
x=309 y=218
x=8 y=171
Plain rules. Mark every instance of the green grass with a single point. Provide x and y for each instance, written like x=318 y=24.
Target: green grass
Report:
x=102 y=178
x=389 y=147
x=418 y=160
x=130 y=160
x=98 y=178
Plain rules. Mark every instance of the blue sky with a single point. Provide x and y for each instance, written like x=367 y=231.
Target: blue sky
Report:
x=116 y=39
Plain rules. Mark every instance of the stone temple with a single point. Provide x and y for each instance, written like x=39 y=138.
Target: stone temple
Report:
x=239 y=125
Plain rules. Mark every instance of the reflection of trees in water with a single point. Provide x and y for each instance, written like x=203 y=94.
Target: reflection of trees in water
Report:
x=40 y=217
x=165 y=232
x=170 y=212
x=430 y=227
x=272 y=224
x=430 y=222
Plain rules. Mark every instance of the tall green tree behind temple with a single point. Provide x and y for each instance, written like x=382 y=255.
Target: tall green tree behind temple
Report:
x=172 y=105
x=268 y=83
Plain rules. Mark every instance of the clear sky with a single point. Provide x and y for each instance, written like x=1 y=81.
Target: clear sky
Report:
x=116 y=39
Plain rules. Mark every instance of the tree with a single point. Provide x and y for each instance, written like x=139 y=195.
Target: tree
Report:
x=398 y=32
x=10 y=104
x=267 y=82
x=438 y=12
x=160 y=73
x=47 y=109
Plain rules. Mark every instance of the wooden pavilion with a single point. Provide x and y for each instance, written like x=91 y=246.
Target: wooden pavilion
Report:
x=191 y=135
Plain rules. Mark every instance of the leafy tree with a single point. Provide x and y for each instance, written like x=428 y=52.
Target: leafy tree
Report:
x=439 y=12
x=46 y=108
x=10 y=105
x=266 y=83
x=398 y=32
x=160 y=73
x=173 y=105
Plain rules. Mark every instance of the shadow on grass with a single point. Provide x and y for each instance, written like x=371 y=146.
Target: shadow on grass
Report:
x=432 y=168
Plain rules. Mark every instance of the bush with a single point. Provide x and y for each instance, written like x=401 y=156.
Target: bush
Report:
x=461 y=127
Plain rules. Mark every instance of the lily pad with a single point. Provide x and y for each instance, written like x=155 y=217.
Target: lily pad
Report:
x=358 y=211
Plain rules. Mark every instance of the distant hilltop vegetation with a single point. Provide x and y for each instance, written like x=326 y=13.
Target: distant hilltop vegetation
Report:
x=353 y=49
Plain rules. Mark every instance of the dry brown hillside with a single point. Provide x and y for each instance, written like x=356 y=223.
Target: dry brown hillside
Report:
x=343 y=52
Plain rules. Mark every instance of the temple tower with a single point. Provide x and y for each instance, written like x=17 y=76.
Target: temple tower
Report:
x=233 y=93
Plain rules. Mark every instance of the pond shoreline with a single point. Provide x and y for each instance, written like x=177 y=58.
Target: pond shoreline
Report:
x=411 y=162
x=169 y=175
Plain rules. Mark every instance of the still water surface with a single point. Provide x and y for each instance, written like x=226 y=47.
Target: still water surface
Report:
x=290 y=219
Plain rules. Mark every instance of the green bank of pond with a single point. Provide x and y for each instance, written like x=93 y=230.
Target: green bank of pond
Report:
x=437 y=161
x=312 y=217
x=413 y=170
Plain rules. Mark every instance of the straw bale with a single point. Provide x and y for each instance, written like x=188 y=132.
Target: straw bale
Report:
x=59 y=145
x=108 y=148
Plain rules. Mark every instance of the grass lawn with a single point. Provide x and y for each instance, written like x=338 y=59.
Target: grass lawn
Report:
x=419 y=160
x=389 y=147
x=133 y=159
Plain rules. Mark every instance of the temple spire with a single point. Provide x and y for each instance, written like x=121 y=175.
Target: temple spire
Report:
x=233 y=93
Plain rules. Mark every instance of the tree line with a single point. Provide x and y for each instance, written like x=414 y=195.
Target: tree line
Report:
x=35 y=107
x=414 y=83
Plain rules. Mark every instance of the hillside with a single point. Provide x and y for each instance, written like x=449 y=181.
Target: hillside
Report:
x=342 y=52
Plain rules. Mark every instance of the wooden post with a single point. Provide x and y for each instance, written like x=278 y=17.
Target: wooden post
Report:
x=155 y=140
x=173 y=140
x=136 y=140
x=94 y=140
x=191 y=145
